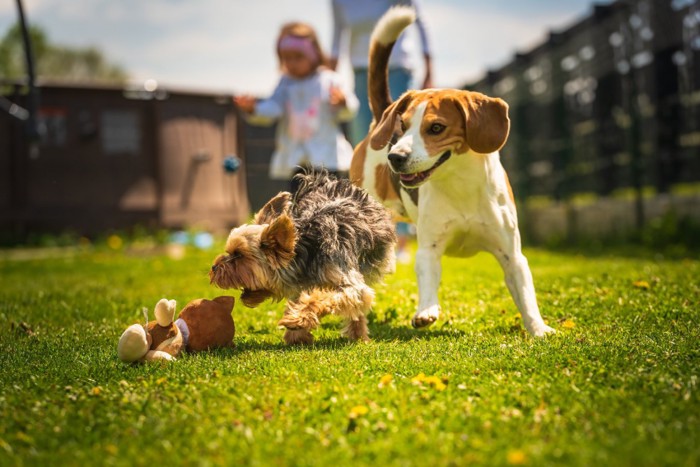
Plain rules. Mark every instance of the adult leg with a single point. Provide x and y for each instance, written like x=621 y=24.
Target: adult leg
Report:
x=399 y=82
x=360 y=124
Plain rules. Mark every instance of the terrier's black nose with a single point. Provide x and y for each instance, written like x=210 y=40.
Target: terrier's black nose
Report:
x=213 y=267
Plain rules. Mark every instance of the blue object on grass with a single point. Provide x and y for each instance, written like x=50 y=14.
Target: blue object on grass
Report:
x=203 y=240
x=180 y=237
x=232 y=164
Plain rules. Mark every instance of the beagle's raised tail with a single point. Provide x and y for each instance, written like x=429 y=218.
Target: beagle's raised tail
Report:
x=384 y=36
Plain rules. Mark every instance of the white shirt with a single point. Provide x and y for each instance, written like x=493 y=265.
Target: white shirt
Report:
x=308 y=129
x=354 y=21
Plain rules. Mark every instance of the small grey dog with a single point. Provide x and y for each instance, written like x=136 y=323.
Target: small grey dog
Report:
x=320 y=249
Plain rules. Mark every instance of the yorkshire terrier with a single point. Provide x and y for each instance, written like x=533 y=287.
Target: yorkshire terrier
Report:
x=320 y=249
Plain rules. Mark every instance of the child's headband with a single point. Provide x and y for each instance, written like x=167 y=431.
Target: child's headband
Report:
x=300 y=44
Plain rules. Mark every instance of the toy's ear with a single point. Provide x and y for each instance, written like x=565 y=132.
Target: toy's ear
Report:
x=133 y=344
x=225 y=301
x=277 y=241
x=165 y=311
x=277 y=206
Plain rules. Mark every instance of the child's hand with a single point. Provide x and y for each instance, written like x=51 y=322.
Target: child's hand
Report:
x=336 y=97
x=245 y=103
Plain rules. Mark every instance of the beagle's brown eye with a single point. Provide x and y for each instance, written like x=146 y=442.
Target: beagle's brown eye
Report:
x=402 y=126
x=436 y=128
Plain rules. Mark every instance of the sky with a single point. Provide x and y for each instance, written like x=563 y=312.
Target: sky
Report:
x=228 y=45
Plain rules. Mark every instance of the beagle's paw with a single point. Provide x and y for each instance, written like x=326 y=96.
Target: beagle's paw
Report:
x=424 y=318
x=542 y=330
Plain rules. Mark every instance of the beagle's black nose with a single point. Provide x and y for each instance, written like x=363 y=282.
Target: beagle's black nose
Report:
x=396 y=159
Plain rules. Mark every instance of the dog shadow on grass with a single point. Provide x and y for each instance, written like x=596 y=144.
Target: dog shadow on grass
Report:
x=390 y=331
x=271 y=340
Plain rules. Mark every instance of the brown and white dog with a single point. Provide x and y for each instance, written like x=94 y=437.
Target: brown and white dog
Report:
x=433 y=155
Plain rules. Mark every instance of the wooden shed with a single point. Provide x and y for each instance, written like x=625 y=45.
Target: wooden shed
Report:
x=112 y=158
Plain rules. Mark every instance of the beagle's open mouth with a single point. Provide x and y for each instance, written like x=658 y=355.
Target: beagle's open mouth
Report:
x=415 y=179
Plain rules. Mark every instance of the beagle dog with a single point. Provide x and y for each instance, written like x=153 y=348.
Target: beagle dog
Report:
x=432 y=156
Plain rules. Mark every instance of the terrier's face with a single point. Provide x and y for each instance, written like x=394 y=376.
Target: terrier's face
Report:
x=254 y=255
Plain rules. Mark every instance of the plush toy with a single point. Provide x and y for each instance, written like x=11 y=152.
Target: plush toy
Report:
x=202 y=325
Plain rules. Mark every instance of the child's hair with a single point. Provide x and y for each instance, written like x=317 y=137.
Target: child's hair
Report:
x=298 y=30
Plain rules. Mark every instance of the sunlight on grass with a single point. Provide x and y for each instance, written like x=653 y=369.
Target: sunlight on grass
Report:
x=617 y=385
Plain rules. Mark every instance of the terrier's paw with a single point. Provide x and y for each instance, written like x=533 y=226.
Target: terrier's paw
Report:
x=424 y=318
x=298 y=337
x=292 y=322
x=356 y=330
x=298 y=321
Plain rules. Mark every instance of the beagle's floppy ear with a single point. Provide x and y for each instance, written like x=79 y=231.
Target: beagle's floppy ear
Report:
x=486 y=121
x=277 y=206
x=277 y=241
x=384 y=129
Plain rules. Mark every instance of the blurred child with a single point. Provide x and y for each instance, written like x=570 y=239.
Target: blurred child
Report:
x=309 y=103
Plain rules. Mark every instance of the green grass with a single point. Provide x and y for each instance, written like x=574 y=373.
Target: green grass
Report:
x=618 y=385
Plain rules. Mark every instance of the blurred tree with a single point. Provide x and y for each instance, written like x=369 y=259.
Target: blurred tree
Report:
x=55 y=61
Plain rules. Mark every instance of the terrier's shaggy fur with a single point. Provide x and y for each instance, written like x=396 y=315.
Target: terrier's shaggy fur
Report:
x=321 y=250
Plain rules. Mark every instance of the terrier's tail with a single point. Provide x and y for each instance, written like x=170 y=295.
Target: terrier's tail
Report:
x=384 y=36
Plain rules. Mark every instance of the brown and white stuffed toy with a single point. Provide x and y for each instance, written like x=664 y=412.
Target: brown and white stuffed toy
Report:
x=202 y=325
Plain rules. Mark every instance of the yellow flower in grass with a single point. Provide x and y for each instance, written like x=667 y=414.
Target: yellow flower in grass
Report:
x=115 y=242
x=418 y=379
x=516 y=457
x=385 y=380
x=568 y=324
x=432 y=381
x=436 y=383
x=358 y=411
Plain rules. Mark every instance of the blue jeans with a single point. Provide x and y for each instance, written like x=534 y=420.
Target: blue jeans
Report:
x=399 y=82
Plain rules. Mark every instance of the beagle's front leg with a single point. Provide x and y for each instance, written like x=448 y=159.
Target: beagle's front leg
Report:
x=428 y=272
x=519 y=281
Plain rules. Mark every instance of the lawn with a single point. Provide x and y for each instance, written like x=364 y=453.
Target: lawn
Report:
x=618 y=384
